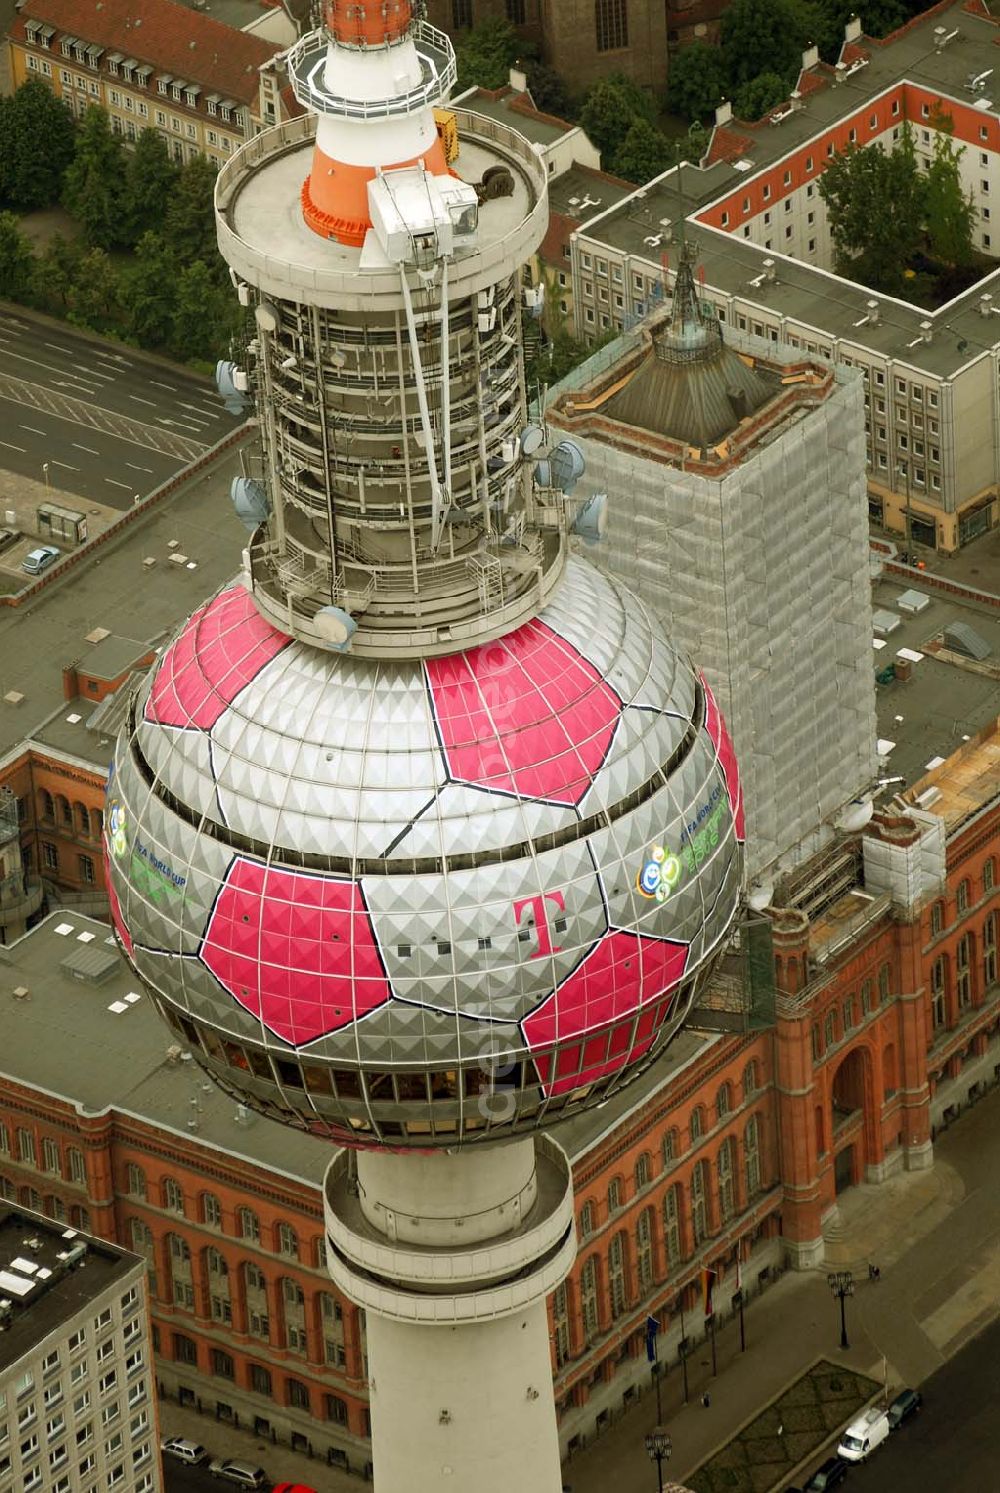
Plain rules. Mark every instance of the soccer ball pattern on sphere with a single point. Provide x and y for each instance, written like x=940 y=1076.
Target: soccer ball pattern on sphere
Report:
x=417 y=903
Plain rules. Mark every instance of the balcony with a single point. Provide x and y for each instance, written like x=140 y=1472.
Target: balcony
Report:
x=20 y=899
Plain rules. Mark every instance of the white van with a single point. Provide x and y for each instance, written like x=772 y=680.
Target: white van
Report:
x=864 y=1435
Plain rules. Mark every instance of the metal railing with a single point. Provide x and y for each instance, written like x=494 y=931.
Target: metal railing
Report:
x=307 y=62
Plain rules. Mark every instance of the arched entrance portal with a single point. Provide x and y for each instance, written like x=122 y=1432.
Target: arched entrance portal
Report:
x=850 y=1098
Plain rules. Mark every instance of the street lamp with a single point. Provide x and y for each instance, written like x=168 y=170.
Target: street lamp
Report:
x=658 y=1449
x=841 y=1283
x=45 y=472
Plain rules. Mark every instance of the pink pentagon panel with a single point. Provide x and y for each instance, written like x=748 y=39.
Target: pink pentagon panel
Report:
x=716 y=728
x=295 y=950
x=118 y=922
x=525 y=714
x=622 y=974
x=224 y=645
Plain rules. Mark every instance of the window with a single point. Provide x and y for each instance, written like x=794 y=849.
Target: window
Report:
x=173 y=1197
x=642 y=1172
x=830 y=1029
x=697 y=1123
x=670 y=1147
x=298 y=1395
x=644 y=1250
x=848 y=1013
x=260 y=1380
x=220 y=1303
x=963 y=972
x=588 y=1300
x=255 y=1293
x=751 y=1157
x=288 y=1243
x=560 y=1324
x=611 y=24
x=461 y=20
x=180 y=1272
x=50 y=856
x=26 y=1147
x=617 y=1295
x=884 y=977
x=223 y=1365
x=51 y=1160
x=723 y=1102
x=248 y=1224
x=335 y=1409
x=586 y=1220
x=87 y=872
x=724 y=1170
x=211 y=1210
x=699 y=1195
x=672 y=1225
x=614 y=1195
x=937 y=918
x=866 y=998
x=751 y=1081
x=142 y=1243
x=962 y=896
x=295 y=1315
x=990 y=950
x=938 y=993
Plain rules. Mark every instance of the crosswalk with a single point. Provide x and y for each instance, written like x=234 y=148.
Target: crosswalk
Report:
x=81 y=412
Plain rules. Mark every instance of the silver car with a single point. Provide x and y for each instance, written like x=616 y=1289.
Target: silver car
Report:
x=40 y=559
x=183 y=1450
x=240 y=1474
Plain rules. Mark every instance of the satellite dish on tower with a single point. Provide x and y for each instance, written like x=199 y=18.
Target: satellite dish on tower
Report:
x=567 y=465
x=335 y=627
x=591 y=519
x=532 y=440
x=250 y=501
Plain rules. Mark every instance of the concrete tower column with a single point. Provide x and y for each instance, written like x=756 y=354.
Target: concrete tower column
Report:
x=452 y=1257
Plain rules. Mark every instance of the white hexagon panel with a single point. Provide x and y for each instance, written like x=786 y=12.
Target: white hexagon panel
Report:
x=425 y=903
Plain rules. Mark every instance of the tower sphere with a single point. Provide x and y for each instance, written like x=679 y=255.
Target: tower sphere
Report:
x=417 y=903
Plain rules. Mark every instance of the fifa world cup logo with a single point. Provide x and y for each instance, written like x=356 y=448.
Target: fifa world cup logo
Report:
x=659 y=875
x=116 y=831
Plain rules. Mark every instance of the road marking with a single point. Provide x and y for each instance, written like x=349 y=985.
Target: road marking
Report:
x=11 y=447
x=119 y=484
x=198 y=410
x=76 y=445
x=54 y=463
x=34 y=430
x=181 y=446
x=139 y=469
x=171 y=387
x=138 y=400
x=56 y=348
x=108 y=378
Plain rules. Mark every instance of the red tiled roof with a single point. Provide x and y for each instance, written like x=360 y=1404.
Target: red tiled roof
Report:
x=727 y=145
x=170 y=37
x=852 y=52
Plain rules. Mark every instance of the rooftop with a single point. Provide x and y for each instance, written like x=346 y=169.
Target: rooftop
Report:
x=570 y=189
x=114 y=589
x=517 y=112
x=41 y=1280
x=174 y=38
x=968 y=780
x=811 y=296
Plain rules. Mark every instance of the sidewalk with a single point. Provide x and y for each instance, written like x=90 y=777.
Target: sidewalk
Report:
x=936 y=1239
x=278 y=1461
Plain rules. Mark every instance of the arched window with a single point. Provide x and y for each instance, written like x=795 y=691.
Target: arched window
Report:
x=751 y=1157
x=751 y=1081
x=644 y=1250
x=725 y=1168
x=989 y=874
x=173 y=1197
x=990 y=951
x=294 y=1299
x=248 y=1225
x=332 y=1321
x=586 y=1220
x=135 y=1181
x=141 y=1238
x=77 y=1166
x=937 y=918
x=211 y=1210
x=672 y=1225
x=288 y=1243
x=884 y=981
x=617 y=1289
x=588 y=1299
x=298 y=1395
x=614 y=1195
x=866 y=998
x=723 y=1101
x=699 y=1204
x=962 y=897
x=55 y=1208
x=46 y=806
x=697 y=1123
x=671 y=1148
x=79 y=1216
x=963 y=971
x=642 y=1170
x=938 y=993
x=82 y=816
x=335 y=1409
x=181 y=1280
x=219 y=1300
x=560 y=1324
x=64 y=813
x=319 y=1252
x=255 y=1295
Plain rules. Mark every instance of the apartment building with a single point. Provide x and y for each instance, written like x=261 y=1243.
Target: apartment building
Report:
x=77 y=1410
x=931 y=377
x=152 y=64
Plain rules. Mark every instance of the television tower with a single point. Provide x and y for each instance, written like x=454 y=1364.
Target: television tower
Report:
x=420 y=834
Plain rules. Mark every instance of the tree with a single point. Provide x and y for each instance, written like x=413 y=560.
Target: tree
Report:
x=150 y=183
x=757 y=97
x=148 y=293
x=95 y=293
x=36 y=146
x=949 y=214
x=697 y=81
x=761 y=36
x=549 y=92
x=610 y=109
x=643 y=154
x=874 y=206
x=56 y=273
x=94 y=185
x=190 y=220
x=486 y=54
x=17 y=262
x=205 y=316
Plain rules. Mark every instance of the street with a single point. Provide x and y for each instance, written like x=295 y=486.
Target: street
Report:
x=109 y=424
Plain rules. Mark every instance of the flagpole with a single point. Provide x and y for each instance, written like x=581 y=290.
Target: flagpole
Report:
x=656 y=1381
x=684 y=1357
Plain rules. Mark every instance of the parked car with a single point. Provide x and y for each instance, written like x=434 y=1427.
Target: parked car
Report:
x=40 y=559
x=8 y=537
x=240 y=1474
x=906 y=1403
x=183 y=1450
x=292 y=1488
x=832 y=1472
x=864 y=1434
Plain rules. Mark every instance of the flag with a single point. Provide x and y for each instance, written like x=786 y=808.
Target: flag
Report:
x=652 y=1328
x=707 y=1284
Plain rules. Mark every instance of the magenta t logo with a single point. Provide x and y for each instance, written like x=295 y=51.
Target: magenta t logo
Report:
x=537 y=904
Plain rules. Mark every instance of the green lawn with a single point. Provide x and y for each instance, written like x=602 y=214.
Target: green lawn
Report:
x=825 y=1398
